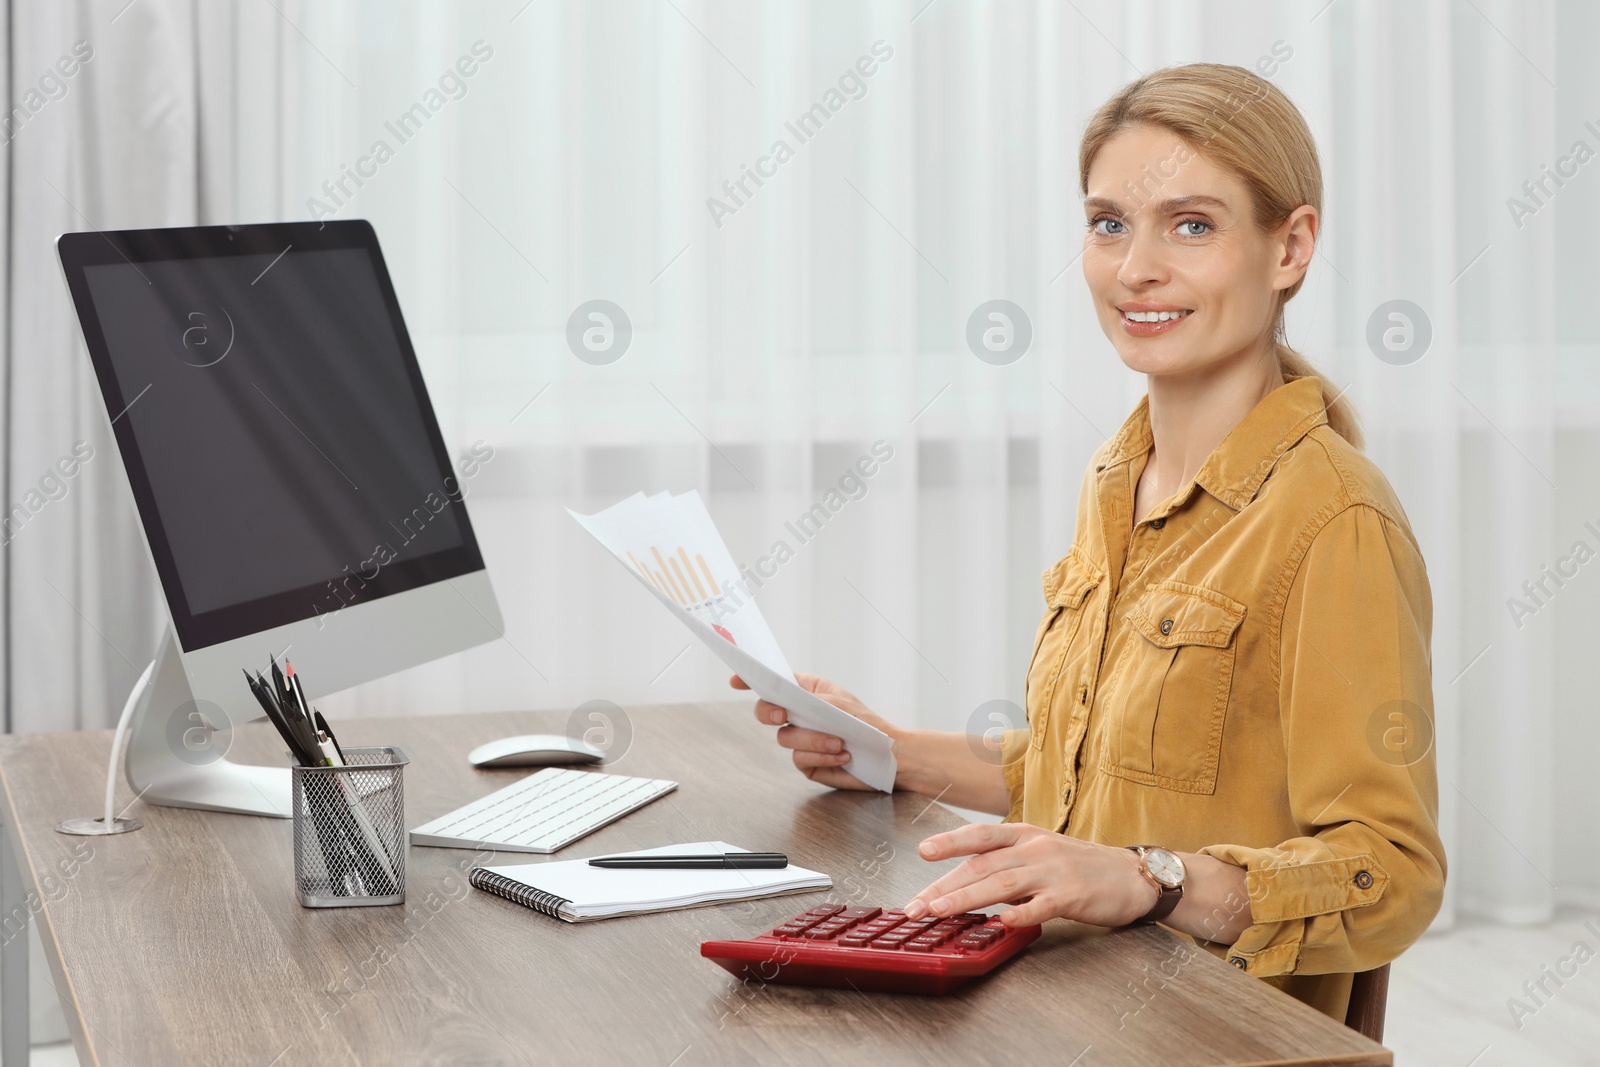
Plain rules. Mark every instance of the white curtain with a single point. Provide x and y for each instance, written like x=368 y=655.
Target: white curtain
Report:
x=778 y=334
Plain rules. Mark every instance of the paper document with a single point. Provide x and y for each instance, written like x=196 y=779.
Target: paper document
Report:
x=670 y=544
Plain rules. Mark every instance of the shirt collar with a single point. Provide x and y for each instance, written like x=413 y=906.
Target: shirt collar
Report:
x=1237 y=467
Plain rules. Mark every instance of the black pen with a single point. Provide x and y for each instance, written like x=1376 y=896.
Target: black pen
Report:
x=323 y=727
x=725 y=861
x=297 y=692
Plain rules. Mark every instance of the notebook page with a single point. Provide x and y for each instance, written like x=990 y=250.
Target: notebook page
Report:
x=599 y=890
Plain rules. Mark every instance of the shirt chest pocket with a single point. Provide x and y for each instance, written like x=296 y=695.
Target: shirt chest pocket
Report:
x=1068 y=590
x=1179 y=673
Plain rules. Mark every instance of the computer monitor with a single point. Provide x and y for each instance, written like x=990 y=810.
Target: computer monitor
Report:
x=291 y=481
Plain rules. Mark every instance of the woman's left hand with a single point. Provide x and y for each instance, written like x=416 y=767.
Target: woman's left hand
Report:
x=1046 y=875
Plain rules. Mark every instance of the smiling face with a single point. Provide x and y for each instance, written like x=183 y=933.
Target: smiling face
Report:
x=1183 y=281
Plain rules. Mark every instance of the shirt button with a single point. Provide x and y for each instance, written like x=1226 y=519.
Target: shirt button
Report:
x=1364 y=879
x=1166 y=626
x=1156 y=524
x=1238 y=961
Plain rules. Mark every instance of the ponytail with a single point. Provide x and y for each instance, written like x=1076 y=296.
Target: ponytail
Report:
x=1341 y=413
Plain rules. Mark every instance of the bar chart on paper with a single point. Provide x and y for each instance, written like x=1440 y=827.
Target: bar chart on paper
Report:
x=689 y=584
x=672 y=546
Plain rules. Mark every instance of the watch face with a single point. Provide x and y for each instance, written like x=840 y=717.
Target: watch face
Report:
x=1165 y=867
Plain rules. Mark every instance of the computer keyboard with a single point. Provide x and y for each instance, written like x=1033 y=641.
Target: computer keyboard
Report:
x=870 y=948
x=542 y=812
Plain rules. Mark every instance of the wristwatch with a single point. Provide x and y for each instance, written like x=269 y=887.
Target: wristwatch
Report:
x=1164 y=870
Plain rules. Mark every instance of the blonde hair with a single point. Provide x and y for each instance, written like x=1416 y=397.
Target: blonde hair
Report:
x=1245 y=124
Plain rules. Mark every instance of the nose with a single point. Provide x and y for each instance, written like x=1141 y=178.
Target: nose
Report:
x=1142 y=263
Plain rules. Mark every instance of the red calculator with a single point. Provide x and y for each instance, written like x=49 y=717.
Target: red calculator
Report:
x=870 y=948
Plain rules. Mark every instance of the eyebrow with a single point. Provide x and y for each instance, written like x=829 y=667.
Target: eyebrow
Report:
x=1165 y=207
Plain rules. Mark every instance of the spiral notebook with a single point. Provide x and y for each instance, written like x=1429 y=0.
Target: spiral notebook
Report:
x=575 y=892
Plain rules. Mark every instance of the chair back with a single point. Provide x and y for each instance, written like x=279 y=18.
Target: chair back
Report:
x=1369 y=994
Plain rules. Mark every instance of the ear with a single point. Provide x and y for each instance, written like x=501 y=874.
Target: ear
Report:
x=1296 y=242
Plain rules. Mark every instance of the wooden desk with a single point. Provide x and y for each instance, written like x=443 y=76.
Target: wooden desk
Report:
x=183 y=943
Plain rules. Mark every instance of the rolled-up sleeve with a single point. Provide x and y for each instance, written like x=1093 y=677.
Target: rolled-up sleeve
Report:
x=1365 y=876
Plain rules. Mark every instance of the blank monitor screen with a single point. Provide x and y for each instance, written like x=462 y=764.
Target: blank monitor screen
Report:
x=270 y=411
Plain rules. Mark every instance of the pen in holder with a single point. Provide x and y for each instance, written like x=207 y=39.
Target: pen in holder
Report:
x=349 y=830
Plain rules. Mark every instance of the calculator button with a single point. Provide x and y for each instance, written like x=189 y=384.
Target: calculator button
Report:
x=860 y=913
x=822 y=911
x=855 y=941
x=919 y=945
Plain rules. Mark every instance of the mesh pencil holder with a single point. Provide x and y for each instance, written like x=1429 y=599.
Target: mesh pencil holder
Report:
x=349 y=830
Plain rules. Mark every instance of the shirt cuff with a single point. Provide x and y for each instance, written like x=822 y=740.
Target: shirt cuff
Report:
x=1284 y=892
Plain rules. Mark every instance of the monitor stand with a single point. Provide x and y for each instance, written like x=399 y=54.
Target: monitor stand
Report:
x=173 y=758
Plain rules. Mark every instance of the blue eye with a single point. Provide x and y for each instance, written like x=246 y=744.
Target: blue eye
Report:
x=1095 y=224
x=1195 y=222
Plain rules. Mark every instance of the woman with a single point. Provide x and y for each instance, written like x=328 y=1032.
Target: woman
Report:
x=1233 y=664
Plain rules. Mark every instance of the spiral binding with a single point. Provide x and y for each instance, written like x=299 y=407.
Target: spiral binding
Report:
x=529 y=897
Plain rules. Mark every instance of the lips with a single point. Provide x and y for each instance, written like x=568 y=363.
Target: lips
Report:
x=1162 y=325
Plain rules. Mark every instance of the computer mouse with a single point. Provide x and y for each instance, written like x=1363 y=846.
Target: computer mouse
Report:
x=534 y=750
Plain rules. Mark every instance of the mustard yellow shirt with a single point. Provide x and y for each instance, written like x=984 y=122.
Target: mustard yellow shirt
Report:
x=1245 y=674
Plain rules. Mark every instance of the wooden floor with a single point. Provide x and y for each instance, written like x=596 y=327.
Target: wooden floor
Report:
x=1447 y=1000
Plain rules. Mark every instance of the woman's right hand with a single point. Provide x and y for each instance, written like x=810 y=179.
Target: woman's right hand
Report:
x=819 y=756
